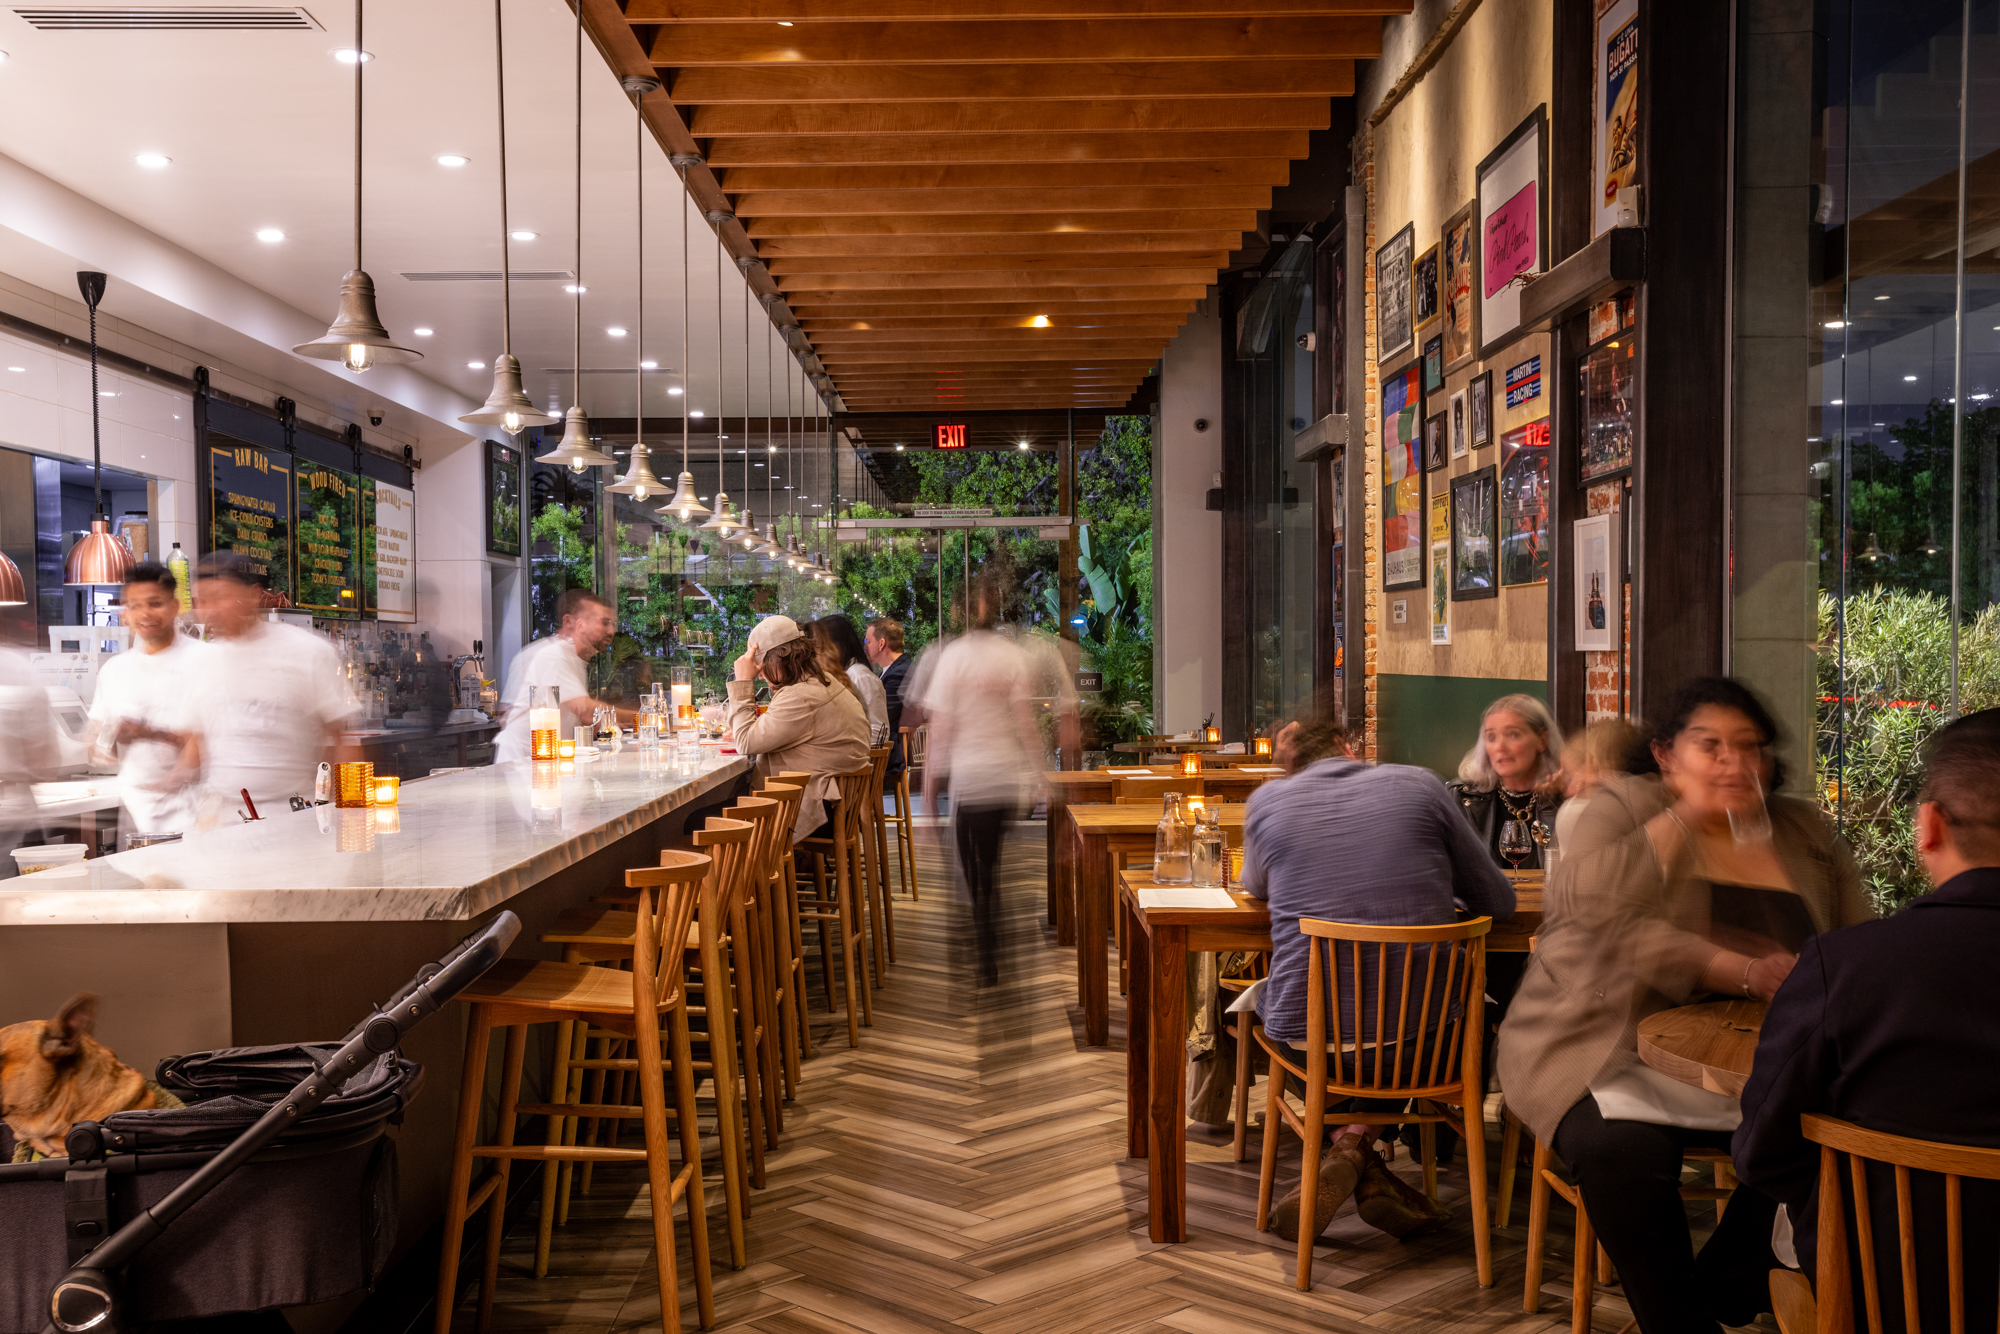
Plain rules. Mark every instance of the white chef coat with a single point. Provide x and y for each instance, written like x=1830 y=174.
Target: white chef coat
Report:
x=160 y=690
x=546 y=662
x=266 y=701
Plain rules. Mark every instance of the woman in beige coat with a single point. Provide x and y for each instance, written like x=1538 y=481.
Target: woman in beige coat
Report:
x=815 y=724
x=1679 y=886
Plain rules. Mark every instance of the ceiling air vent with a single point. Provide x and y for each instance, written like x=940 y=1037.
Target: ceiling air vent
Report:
x=492 y=276
x=188 y=18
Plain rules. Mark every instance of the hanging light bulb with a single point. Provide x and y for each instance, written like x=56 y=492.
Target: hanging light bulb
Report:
x=356 y=338
x=638 y=481
x=507 y=404
x=576 y=452
x=1872 y=552
x=101 y=556
x=685 y=506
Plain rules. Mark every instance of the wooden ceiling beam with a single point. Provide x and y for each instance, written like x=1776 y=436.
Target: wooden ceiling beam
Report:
x=1015 y=279
x=946 y=373
x=762 y=204
x=1272 y=171
x=1107 y=259
x=967 y=332
x=1054 y=309
x=989 y=41
x=895 y=223
x=725 y=124
x=956 y=320
x=850 y=11
x=892 y=150
x=909 y=296
x=1011 y=356
x=996 y=342
x=980 y=246
x=1037 y=81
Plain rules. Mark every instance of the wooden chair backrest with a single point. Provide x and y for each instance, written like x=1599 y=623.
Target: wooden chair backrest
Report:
x=853 y=797
x=729 y=843
x=762 y=813
x=667 y=895
x=788 y=796
x=1433 y=977
x=1152 y=789
x=916 y=740
x=1836 y=1287
x=879 y=756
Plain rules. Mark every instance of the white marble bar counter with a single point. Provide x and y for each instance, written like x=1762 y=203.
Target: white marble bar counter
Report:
x=455 y=846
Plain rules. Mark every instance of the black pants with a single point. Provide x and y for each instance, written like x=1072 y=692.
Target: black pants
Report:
x=1630 y=1173
x=978 y=831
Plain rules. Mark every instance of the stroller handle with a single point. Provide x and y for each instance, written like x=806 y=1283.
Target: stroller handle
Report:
x=87 y=1297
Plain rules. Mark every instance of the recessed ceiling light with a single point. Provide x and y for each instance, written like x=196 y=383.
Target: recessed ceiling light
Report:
x=270 y=235
x=784 y=23
x=346 y=56
x=421 y=333
x=522 y=235
x=649 y=365
x=899 y=449
x=615 y=331
x=452 y=159
x=771 y=449
x=1883 y=297
x=17 y=369
x=1909 y=379
x=1024 y=444
x=674 y=390
x=1836 y=324
x=1838 y=401
x=106 y=393
x=574 y=290
x=153 y=161
x=1039 y=322
x=475 y=365
x=696 y=412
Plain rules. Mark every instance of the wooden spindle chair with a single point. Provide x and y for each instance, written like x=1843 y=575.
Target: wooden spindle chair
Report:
x=877 y=832
x=1429 y=1055
x=795 y=1034
x=839 y=905
x=900 y=818
x=1136 y=790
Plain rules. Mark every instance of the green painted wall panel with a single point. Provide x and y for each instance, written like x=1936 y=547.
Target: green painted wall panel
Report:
x=1433 y=720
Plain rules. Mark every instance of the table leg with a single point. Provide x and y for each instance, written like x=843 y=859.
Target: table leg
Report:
x=1166 y=978
x=1063 y=835
x=1138 y=1043
x=1054 y=822
x=1092 y=870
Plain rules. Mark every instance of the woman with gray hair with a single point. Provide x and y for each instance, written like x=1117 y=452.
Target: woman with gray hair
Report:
x=1506 y=781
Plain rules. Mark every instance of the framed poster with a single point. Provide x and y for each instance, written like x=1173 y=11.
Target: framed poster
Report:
x=327 y=540
x=1474 y=547
x=1434 y=363
x=1393 y=330
x=1481 y=390
x=1459 y=270
x=1461 y=442
x=1424 y=288
x=1513 y=225
x=1435 y=456
x=1440 y=549
x=1524 y=505
x=388 y=537
x=1597 y=582
x=1615 y=130
x=503 y=499
x=1402 y=481
x=250 y=509
x=1609 y=384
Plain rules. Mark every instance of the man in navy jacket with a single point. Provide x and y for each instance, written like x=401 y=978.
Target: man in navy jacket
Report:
x=1894 y=1025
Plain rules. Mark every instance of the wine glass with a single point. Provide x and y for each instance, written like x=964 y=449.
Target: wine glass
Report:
x=1515 y=842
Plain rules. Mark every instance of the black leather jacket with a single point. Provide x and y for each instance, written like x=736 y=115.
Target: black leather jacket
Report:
x=1484 y=809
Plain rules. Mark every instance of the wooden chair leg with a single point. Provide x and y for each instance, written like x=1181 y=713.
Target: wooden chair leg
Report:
x=1313 y=1131
x=558 y=1128
x=1725 y=1179
x=1427 y=1147
x=690 y=1134
x=471 y=1092
x=1538 y=1226
x=1583 y=1272
x=851 y=955
x=744 y=1003
x=496 y=1218
x=1241 y=1140
x=1274 y=1119
x=880 y=829
x=1510 y=1159
x=1604 y=1271
x=1475 y=1168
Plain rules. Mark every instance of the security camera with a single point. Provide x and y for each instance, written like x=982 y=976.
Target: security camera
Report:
x=375 y=415
x=1201 y=423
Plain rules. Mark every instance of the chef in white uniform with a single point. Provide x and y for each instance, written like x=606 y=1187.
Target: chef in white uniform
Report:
x=143 y=713
x=585 y=627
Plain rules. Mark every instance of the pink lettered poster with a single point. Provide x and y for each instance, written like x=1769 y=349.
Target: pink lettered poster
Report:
x=1510 y=227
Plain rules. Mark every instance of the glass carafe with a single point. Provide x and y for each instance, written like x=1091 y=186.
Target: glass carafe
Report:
x=1210 y=848
x=544 y=721
x=1173 y=845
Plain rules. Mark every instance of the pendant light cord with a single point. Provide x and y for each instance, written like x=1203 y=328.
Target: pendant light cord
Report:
x=96 y=436
x=639 y=325
x=506 y=276
x=576 y=392
x=687 y=341
x=770 y=402
x=746 y=392
x=360 y=59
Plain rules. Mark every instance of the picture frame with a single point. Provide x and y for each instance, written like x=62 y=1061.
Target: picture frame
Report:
x=504 y=467
x=1480 y=410
x=1475 y=548
x=1458 y=276
x=1608 y=382
x=1434 y=364
x=1394 y=332
x=1513 y=205
x=1424 y=288
x=1402 y=506
x=1598 y=586
x=1440 y=551
x=1461 y=439
x=1615 y=137
x=1525 y=498
x=1436 y=454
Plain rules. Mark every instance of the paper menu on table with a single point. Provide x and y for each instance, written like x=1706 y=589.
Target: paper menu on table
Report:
x=1132 y=773
x=1258 y=769
x=1185 y=896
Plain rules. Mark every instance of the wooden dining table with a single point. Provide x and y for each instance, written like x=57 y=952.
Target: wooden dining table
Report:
x=1710 y=1045
x=1159 y=941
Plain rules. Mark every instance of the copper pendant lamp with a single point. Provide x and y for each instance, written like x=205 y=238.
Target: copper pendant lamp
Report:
x=507 y=404
x=576 y=452
x=13 y=588
x=102 y=556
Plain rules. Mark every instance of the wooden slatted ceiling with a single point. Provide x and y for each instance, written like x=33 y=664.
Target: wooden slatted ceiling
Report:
x=989 y=204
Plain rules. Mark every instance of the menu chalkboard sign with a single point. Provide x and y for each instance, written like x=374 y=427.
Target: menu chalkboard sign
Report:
x=250 y=509
x=329 y=552
x=387 y=549
x=503 y=499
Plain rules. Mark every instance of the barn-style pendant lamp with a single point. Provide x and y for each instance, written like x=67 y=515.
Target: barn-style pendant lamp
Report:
x=685 y=505
x=507 y=406
x=639 y=481
x=576 y=452
x=102 y=556
x=724 y=520
x=356 y=338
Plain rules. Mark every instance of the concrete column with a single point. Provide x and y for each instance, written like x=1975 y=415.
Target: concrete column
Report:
x=1187 y=537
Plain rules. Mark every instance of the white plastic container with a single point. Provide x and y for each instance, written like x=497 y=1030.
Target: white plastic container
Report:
x=62 y=858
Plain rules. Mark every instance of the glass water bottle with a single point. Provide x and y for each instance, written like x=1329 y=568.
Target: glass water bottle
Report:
x=1210 y=848
x=1173 y=845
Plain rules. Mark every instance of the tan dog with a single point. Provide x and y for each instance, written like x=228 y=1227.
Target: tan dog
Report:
x=53 y=1074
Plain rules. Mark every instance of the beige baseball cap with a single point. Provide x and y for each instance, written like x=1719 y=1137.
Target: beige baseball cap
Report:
x=773 y=631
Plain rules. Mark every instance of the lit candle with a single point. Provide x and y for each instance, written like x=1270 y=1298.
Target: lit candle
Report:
x=1261 y=746
x=1212 y=734
x=386 y=790
x=1190 y=763
x=682 y=688
x=565 y=750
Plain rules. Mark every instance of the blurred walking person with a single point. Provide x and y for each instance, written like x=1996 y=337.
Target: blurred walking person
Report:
x=985 y=744
x=28 y=754
x=585 y=626
x=143 y=714
x=272 y=702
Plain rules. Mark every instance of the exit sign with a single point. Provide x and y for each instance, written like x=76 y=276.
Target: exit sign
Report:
x=951 y=435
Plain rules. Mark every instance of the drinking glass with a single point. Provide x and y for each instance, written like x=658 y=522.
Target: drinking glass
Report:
x=1515 y=842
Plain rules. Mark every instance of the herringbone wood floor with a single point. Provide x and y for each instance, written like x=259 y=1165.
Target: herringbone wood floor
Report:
x=965 y=1169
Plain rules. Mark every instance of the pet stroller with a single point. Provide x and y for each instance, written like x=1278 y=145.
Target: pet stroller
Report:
x=280 y=1154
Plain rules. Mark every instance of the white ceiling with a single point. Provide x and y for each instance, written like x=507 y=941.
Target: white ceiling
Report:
x=259 y=128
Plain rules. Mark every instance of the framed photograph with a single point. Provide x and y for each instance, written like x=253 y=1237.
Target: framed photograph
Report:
x=1424 y=288
x=1458 y=271
x=503 y=499
x=1608 y=381
x=1393 y=330
x=1474 y=527
x=1524 y=505
x=1598 y=587
x=1402 y=480
x=1440 y=548
x=1481 y=390
x=1461 y=441
x=1435 y=456
x=1434 y=363
x=1513 y=225
x=1615 y=130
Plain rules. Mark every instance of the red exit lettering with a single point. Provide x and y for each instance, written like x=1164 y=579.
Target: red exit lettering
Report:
x=951 y=435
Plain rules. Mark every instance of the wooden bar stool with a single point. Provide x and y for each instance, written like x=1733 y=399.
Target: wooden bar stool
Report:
x=795 y=1035
x=648 y=1005
x=761 y=988
x=1240 y=1027
x=881 y=919
x=906 y=843
x=840 y=905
